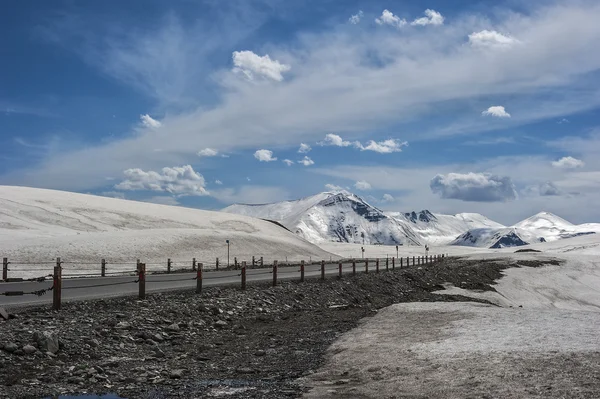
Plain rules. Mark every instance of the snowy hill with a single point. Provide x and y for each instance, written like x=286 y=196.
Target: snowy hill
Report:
x=441 y=229
x=337 y=217
x=543 y=227
x=39 y=225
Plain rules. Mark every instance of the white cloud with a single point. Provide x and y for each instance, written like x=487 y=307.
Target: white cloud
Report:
x=251 y=195
x=182 y=180
x=388 y=198
x=288 y=162
x=208 y=152
x=477 y=187
x=162 y=200
x=252 y=65
x=362 y=185
x=149 y=122
x=388 y=18
x=491 y=39
x=568 y=163
x=497 y=110
x=549 y=189
x=355 y=19
x=306 y=161
x=265 y=156
x=431 y=17
x=384 y=147
x=334 y=140
x=304 y=148
x=333 y=187
x=563 y=121
x=218 y=182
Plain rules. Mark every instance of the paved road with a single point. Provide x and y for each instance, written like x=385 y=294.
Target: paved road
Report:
x=103 y=287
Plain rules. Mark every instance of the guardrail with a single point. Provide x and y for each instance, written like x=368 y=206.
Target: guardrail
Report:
x=141 y=272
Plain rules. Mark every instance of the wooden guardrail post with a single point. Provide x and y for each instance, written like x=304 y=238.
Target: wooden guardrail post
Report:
x=261 y=262
x=57 y=286
x=103 y=268
x=243 y=274
x=199 y=278
x=353 y=267
x=377 y=265
x=322 y=270
x=253 y=261
x=401 y=262
x=217 y=264
x=367 y=266
x=169 y=265
x=235 y=264
x=5 y=269
x=141 y=267
x=414 y=261
x=387 y=264
x=274 y=273
x=340 y=270
x=302 y=271
x=193 y=264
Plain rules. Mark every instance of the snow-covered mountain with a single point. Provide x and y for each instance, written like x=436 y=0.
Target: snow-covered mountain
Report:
x=543 y=227
x=337 y=217
x=441 y=229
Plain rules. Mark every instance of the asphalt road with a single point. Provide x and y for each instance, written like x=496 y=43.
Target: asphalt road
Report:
x=104 y=287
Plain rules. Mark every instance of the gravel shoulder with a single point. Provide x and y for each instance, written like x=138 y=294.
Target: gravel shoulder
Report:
x=257 y=343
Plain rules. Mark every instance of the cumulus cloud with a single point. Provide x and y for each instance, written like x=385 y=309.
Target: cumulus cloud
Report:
x=384 y=147
x=549 y=189
x=334 y=140
x=568 y=163
x=179 y=180
x=333 y=187
x=218 y=182
x=148 y=121
x=388 y=198
x=288 y=162
x=253 y=65
x=208 y=152
x=431 y=17
x=355 y=19
x=306 y=161
x=388 y=18
x=476 y=187
x=265 y=156
x=497 y=111
x=304 y=148
x=362 y=185
x=491 y=39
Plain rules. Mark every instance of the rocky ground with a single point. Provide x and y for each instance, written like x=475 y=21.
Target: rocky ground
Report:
x=224 y=343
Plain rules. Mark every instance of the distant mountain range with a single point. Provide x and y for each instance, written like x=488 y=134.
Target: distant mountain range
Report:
x=345 y=217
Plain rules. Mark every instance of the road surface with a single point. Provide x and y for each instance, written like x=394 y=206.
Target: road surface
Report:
x=105 y=287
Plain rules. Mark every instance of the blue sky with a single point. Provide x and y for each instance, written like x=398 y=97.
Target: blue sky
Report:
x=454 y=106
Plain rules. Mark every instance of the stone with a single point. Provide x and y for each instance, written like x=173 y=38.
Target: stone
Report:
x=158 y=338
x=173 y=327
x=220 y=324
x=3 y=313
x=259 y=353
x=47 y=341
x=176 y=374
x=29 y=349
x=11 y=347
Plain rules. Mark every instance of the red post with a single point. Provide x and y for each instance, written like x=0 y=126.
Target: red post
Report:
x=377 y=265
x=103 y=268
x=57 y=286
x=367 y=266
x=199 y=278
x=353 y=267
x=142 y=280
x=243 y=277
x=340 y=270
x=322 y=270
x=274 y=273
x=5 y=269
x=193 y=264
x=302 y=271
x=169 y=265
